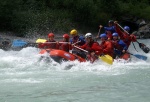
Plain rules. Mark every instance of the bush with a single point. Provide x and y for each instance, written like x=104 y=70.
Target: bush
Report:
x=60 y=16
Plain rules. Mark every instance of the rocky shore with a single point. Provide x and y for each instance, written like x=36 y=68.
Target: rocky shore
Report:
x=140 y=27
x=143 y=31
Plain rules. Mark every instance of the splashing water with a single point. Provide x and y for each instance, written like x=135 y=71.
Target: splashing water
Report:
x=23 y=78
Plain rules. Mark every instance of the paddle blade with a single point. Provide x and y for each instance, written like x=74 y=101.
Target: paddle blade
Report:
x=106 y=58
x=140 y=57
x=18 y=43
x=40 y=40
x=144 y=48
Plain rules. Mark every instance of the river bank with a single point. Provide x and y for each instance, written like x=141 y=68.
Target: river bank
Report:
x=28 y=38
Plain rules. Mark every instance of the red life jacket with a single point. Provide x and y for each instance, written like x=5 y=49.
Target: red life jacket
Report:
x=109 y=35
x=107 y=47
x=47 y=44
x=92 y=47
x=64 y=46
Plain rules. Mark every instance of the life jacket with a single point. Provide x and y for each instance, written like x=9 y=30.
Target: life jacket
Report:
x=76 y=39
x=64 y=46
x=92 y=47
x=109 y=35
x=47 y=44
x=52 y=45
x=107 y=47
x=126 y=38
x=88 y=47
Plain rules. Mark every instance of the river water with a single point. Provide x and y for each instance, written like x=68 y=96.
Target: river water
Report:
x=24 y=79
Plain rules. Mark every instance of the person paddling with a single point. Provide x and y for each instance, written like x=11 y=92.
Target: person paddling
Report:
x=106 y=45
x=66 y=46
x=119 y=46
x=125 y=35
x=92 y=47
x=77 y=41
x=50 y=43
x=110 y=29
x=76 y=38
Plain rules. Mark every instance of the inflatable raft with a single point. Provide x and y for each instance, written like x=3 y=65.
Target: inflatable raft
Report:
x=60 y=55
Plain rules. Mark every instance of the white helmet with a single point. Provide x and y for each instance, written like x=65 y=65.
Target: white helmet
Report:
x=88 y=35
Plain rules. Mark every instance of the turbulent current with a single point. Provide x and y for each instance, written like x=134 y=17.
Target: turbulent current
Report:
x=23 y=78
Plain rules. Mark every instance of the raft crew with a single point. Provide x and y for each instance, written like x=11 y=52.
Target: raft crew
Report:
x=114 y=42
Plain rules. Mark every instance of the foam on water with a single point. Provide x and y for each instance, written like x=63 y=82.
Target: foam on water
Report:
x=27 y=60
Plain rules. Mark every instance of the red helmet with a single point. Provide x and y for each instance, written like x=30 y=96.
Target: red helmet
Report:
x=66 y=36
x=50 y=35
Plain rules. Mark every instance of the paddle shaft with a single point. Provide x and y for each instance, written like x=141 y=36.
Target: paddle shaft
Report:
x=99 y=30
x=81 y=49
x=76 y=43
x=122 y=28
x=50 y=43
x=106 y=58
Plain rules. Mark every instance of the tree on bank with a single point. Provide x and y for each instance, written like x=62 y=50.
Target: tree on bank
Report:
x=58 y=16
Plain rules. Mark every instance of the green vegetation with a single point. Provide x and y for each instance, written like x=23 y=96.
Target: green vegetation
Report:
x=60 y=16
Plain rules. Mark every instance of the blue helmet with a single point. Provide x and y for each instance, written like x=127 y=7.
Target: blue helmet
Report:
x=126 y=28
x=103 y=35
x=115 y=34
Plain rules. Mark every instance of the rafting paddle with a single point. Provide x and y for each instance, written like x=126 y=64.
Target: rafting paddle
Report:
x=40 y=40
x=142 y=57
x=80 y=49
x=143 y=47
x=19 y=43
x=106 y=58
x=99 y=31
